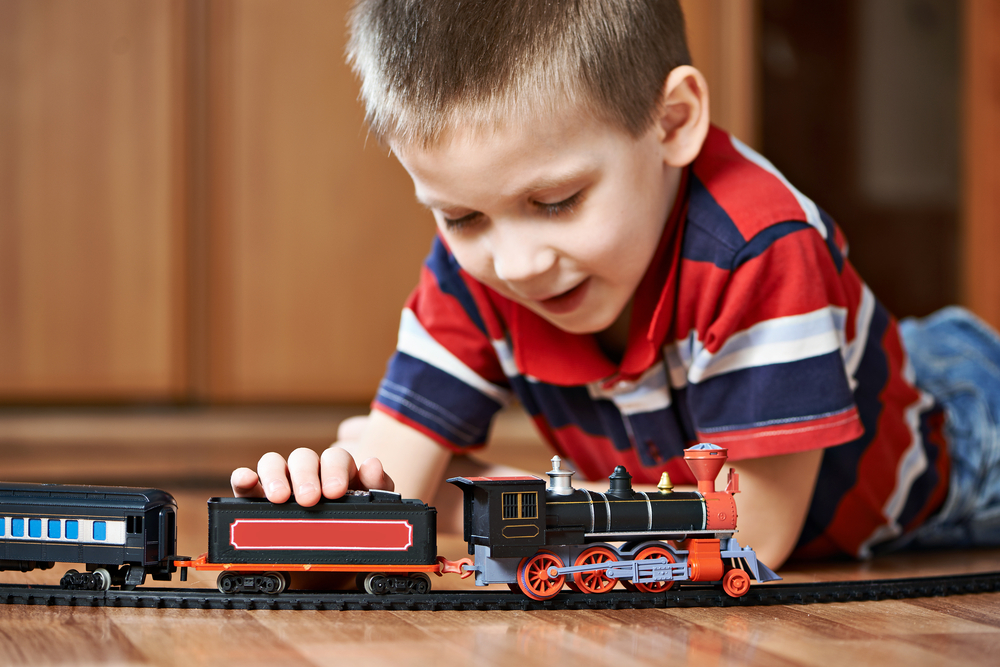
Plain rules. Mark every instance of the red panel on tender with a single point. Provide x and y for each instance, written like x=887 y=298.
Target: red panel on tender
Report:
x=321 y=534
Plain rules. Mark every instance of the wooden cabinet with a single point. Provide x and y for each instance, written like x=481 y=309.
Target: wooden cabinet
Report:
x=316 y=236
x=981 y=164
x=92 y=200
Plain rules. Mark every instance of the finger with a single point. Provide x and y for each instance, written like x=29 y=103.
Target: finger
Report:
x=352 y=428
x=371 y=475
x=303 y=468
x=246 y=484
x=338 y=471
x=273 y=475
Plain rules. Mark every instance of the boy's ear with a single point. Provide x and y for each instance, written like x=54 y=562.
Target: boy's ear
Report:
x=683 y=120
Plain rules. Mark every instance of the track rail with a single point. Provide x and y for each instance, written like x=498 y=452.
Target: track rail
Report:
x=691 y=596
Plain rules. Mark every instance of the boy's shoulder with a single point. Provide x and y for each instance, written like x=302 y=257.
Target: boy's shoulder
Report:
x=739 y=204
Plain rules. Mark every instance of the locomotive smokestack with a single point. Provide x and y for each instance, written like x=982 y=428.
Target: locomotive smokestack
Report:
x=560 y=481
x=705 y=461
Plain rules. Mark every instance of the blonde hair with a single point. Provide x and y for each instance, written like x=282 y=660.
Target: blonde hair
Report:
x=427 y=66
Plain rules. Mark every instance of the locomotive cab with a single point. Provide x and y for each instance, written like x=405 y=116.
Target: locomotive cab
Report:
x=505 y=514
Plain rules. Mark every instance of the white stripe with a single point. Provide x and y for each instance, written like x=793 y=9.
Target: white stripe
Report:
x=774 y=341
x=808 y=207
x=506 y=357
x=678 y=364
x=646 y=394
x=855 y=351
x=912 y=465
x=416 y=342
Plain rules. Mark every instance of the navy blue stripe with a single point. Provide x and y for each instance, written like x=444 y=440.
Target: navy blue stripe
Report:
x=838 y=472
x=760 y=243
x=437 y=400
x=710 y=234
x=925 y=485
x=656 y=436
x=444 y=267
x=752 y=397
x=831 y=242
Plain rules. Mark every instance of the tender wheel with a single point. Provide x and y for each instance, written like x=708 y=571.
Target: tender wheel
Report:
x=273 y=583
x=735 y=583
x=102 y=579
x=594 y=582
x=376 y=584
x=419 y=583
x=533 y=576
x=228 y=582
x=655 y=586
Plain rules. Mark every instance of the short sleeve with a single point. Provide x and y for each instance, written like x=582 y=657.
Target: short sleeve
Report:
x=444 y=379
x=764 y=363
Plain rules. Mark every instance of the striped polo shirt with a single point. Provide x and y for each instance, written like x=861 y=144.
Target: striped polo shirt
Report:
x=750 y=329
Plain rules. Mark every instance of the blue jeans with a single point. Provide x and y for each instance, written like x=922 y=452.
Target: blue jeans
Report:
x=956 y=359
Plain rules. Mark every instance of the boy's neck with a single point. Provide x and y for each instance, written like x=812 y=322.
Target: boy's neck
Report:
x=614 y=339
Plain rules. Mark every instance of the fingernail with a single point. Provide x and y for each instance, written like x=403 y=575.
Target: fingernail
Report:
x=273 y=488
x=306 y=489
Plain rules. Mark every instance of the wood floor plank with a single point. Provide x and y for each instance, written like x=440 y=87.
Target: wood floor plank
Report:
x=64 y=635
x=982 y=608
x=191 y=637
x=804 y=636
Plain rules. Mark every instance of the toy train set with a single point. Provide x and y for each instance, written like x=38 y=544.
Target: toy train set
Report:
x=532 y=536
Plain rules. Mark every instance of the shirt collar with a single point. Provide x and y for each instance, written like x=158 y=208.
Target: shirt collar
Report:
x=543 y=351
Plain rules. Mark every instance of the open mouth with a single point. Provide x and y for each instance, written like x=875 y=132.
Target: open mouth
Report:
x=568 y=301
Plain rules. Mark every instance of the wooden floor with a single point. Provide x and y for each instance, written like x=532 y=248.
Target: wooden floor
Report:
x=191 y=454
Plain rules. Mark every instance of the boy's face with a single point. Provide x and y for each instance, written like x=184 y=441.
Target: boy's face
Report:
x=562 y=215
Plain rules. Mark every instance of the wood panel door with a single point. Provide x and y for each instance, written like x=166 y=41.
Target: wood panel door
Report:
x=315 y=235
x=92 y=155
x=981 y=160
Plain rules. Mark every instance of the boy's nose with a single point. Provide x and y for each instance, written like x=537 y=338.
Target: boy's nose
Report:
x=518 y=258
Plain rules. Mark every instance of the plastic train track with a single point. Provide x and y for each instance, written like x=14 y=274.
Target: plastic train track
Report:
x=691 y=596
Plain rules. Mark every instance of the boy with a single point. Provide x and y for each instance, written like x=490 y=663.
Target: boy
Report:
x=639 y=280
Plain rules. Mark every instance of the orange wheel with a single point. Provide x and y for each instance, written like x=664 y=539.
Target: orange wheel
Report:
x=647 y=554
x=598 y=581
x=533 y=576
x=735 y=583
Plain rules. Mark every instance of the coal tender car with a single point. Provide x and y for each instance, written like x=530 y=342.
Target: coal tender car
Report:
x=122 y=534
x=391 y=543
x=537 y=538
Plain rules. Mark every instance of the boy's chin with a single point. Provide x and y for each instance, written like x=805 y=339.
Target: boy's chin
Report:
x=581 y=325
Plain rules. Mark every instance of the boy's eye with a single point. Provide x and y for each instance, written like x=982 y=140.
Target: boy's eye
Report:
x=458 y=224
x=560 y=207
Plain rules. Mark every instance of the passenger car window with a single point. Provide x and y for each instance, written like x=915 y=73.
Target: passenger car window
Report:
x=72 y=529
x=55 y=529
x=34 y=527
x=17 y=527
x=100 y=530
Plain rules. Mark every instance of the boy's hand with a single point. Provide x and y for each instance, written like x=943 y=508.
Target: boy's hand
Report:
x=309 y=474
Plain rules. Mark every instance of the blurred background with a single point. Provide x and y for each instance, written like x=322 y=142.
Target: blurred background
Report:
x=203 y=256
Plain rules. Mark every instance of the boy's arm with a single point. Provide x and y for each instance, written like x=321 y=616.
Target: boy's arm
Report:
x=775 y=494
x=414 y=465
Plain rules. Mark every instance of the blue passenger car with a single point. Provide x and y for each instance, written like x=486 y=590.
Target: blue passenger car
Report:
x=120 y=533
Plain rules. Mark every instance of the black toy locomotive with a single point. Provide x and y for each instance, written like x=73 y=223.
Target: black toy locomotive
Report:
x=526 y=534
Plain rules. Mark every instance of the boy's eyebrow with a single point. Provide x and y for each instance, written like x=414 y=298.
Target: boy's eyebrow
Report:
x=546 y=183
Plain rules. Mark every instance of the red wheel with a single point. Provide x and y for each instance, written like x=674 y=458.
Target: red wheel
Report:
x=594 y=582
x=735 y=583
x=533 y=576
x=647 y=554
